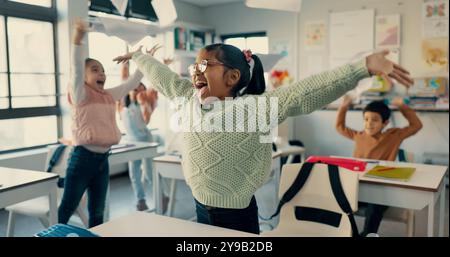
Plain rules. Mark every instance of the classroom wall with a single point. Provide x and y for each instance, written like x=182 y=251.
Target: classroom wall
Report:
x=411 y=27
x=317 y=129
x=189 y=13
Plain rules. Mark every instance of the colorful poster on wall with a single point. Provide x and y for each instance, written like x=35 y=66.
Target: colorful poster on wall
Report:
x=387 y=29
x=315 y=35
x=435 y=18
x=435 y=54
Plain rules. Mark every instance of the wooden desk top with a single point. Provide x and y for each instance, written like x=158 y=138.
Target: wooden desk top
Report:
x=12 y=178
x=142 y=224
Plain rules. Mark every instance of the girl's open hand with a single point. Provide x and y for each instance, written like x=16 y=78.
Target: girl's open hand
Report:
x=80 y=28
x=167 y=61
x=126 y=57
x=153 y=50
x=378 y=64
x=142 y=98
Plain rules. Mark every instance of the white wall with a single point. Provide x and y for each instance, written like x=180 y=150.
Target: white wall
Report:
x=317 y=129
x=189 y=13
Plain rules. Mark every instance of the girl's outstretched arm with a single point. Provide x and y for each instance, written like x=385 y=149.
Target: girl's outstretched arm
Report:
x=123 y=89
x=167 y=82
x=76 y=84
x=313 y=93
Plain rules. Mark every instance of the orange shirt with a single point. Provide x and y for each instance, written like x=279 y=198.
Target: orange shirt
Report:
x=384 y=146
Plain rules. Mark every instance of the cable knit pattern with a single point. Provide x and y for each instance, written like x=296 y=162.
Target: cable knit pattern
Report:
x=224 y=169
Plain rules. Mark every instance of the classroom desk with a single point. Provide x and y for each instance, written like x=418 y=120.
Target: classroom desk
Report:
x=423 y=189
x=169 y=167
x=19 y=185
x=142 y=224
x=125 y=152
x=122 y=153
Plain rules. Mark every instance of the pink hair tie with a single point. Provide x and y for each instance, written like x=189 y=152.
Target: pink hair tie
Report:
x=248 y=54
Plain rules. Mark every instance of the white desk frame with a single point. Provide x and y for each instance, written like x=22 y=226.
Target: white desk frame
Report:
x=21 y=185
x=424 y=188
x=142 y=224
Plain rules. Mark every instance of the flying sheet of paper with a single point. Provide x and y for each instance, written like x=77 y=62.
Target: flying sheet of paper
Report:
x=121 y=5
x=130 y=32
x=165 y=10
x=283 y=5
x=269 y=60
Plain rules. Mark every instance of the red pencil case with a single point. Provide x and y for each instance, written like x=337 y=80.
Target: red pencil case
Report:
x=349 y=164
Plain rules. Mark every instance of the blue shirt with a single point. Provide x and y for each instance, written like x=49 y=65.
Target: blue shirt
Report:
x=135 y=126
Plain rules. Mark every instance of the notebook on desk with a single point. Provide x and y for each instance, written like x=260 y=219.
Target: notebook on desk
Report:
x=392 y=173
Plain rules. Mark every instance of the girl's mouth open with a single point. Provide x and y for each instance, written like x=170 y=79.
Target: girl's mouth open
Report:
x=200 y=84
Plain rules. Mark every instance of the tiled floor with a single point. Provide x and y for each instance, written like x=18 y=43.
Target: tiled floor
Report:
x=122 y=202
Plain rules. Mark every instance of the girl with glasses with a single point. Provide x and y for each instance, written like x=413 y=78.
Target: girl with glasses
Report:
x=225 y=169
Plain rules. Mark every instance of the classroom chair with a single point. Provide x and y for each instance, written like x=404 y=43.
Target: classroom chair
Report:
x=287 y=153
x=289 y=150
x=314 y=210
x=39 y=207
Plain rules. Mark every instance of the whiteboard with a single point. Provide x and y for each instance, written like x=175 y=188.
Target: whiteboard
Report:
x=351 y=34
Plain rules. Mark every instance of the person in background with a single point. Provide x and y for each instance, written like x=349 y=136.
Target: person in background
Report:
x=94 y=131
x=135 y=111
x=374 y=143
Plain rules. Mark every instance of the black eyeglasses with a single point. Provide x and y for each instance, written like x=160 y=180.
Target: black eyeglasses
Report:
x=201 y=66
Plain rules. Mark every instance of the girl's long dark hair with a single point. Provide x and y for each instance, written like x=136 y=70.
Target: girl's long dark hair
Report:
x=232 y=57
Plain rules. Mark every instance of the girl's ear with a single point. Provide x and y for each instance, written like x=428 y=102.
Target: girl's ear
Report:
x=232 y=77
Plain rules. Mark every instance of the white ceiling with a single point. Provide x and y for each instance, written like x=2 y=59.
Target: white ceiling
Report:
x=204 y=3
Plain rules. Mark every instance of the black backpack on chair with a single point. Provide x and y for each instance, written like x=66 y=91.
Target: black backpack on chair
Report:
x=56 y=156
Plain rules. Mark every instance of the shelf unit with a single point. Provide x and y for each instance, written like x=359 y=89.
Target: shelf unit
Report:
x=184 y=42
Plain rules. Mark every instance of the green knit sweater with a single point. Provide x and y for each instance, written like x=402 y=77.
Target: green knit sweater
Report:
x=225 y=169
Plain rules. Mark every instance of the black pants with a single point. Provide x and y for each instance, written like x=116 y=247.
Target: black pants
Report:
x=238 y=219
x=374 y=214
x=89 y=171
